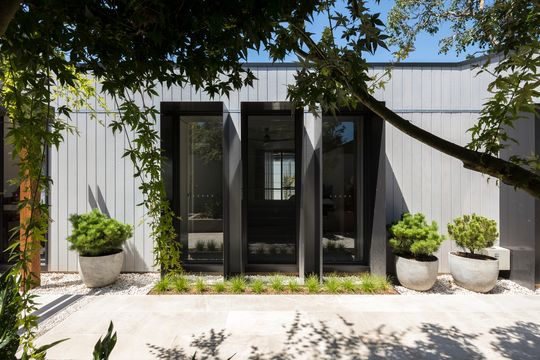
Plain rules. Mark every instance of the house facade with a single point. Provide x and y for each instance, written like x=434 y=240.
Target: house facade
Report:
x=259 y=186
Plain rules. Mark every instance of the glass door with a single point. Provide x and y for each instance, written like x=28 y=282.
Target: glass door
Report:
x=271 y=159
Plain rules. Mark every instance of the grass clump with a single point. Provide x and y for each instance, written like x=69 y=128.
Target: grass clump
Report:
x=371 y=284
x=200 y=286
x=348 y=285
x=181 y=284
x=293 y=286
x=257 y=286
x=312 y=284
x=219 y=287
x=163 y=285
x=277 y=283
x=238 y=284
x=332 y=284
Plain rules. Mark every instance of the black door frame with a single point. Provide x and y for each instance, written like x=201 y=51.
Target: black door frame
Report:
x=272 y=108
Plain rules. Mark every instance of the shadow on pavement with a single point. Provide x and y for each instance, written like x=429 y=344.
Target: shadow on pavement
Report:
x=309 y=340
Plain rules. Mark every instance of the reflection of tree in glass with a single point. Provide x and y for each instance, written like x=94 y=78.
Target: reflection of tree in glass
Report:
x=213 y=209
x=332 y=133
x=288 y=184
x=207 y=140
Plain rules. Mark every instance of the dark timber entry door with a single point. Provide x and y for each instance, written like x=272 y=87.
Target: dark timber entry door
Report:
x=271 y=158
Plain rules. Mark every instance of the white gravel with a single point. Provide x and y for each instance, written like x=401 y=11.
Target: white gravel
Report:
x=446 y=285
x=71 y=283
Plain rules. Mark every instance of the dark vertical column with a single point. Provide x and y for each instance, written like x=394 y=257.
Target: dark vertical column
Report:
x=233 y=259
x=309 y=247
x=520 y=212
x=374 y=194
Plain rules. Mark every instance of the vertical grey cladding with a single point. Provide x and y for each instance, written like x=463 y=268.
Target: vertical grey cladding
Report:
x=441 y=98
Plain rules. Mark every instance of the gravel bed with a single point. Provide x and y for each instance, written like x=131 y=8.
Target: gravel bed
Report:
x=445 y=285
x=71 y=283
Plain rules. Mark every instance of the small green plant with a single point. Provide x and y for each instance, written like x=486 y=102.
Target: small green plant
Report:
x=9 y=308
x=219 y=287
x=367 y=284
x=293 y=286
x=105 y=345
x=200 y=286
x=413 y=237
x=277 y=283
x=370 y=283
x=211 y=245
x=312 y=284
x=96 y=234
x=348 y=285
x=163 y=284
x=257 y=286
x=238 y=284
x=332 y=284
x=199 y=245
x=181 y=284
x=473 y=232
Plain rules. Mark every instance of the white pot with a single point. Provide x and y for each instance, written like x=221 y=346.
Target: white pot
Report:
x=98 y=271
x=478 y=275
x=417 y=275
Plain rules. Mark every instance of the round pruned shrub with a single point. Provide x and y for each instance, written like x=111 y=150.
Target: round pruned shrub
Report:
x=412 y=236
x=96 y=234
x=473 y=232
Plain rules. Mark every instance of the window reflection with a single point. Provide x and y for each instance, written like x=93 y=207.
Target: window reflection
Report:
x=341 y=243
x=201 y=182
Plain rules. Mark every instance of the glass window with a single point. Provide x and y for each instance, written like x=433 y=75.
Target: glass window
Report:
x=342 y=242
x=270 y=157
x=201 y=183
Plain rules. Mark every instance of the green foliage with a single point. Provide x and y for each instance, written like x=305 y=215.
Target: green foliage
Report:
x=370 y=283
x=257 y=286
x=104 y=347
x=96 y=234
x=348 y=285
x=238 y=284
x=293 y=286
x=180 y=283
x=199 y=245
x=473 y=232
x=200 y=286
x=163 y=284
x=211 y=245
x=312 y=284
x=413 y=236
x=277 y=283
x=9 y=308
x=508 y=31
x=220 y=287
x=332 y=284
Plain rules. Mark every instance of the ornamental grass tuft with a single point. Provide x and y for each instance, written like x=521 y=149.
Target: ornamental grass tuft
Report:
x=219 y=287
x=180 y=284
x=332 y=284
x=238 y=284
x=200 y=286
x=277 y=283
x=312 y=284
x=257 y=286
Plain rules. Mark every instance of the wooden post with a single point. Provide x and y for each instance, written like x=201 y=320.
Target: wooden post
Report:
x=33 y=267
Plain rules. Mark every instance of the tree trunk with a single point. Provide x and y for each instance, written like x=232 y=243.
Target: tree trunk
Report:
x=30 y=249
x=8 y=8
x=507 y=172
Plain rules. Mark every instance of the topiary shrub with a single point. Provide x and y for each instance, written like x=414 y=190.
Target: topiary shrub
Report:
x=96 y=234
x=473 y=232
x=413 y=237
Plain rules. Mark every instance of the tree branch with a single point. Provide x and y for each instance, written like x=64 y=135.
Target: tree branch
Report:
x=8 y=8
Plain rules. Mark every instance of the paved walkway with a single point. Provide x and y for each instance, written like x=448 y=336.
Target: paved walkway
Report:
x=306 y=327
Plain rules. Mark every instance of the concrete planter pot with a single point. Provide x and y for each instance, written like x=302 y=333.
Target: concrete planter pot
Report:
x=99 y=271
x=475 y=274
x=417 y=275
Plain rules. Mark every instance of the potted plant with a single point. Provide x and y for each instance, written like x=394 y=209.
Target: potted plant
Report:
x=414 y=242
x=470 y=270
x=98 y=239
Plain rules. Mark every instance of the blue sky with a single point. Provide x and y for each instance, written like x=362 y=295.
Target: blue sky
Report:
x=427 y=46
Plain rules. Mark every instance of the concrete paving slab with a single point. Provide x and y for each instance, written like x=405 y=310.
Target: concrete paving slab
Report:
x=306 y=327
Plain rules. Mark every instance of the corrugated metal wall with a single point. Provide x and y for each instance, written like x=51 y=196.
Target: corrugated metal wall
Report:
x=88 y=168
